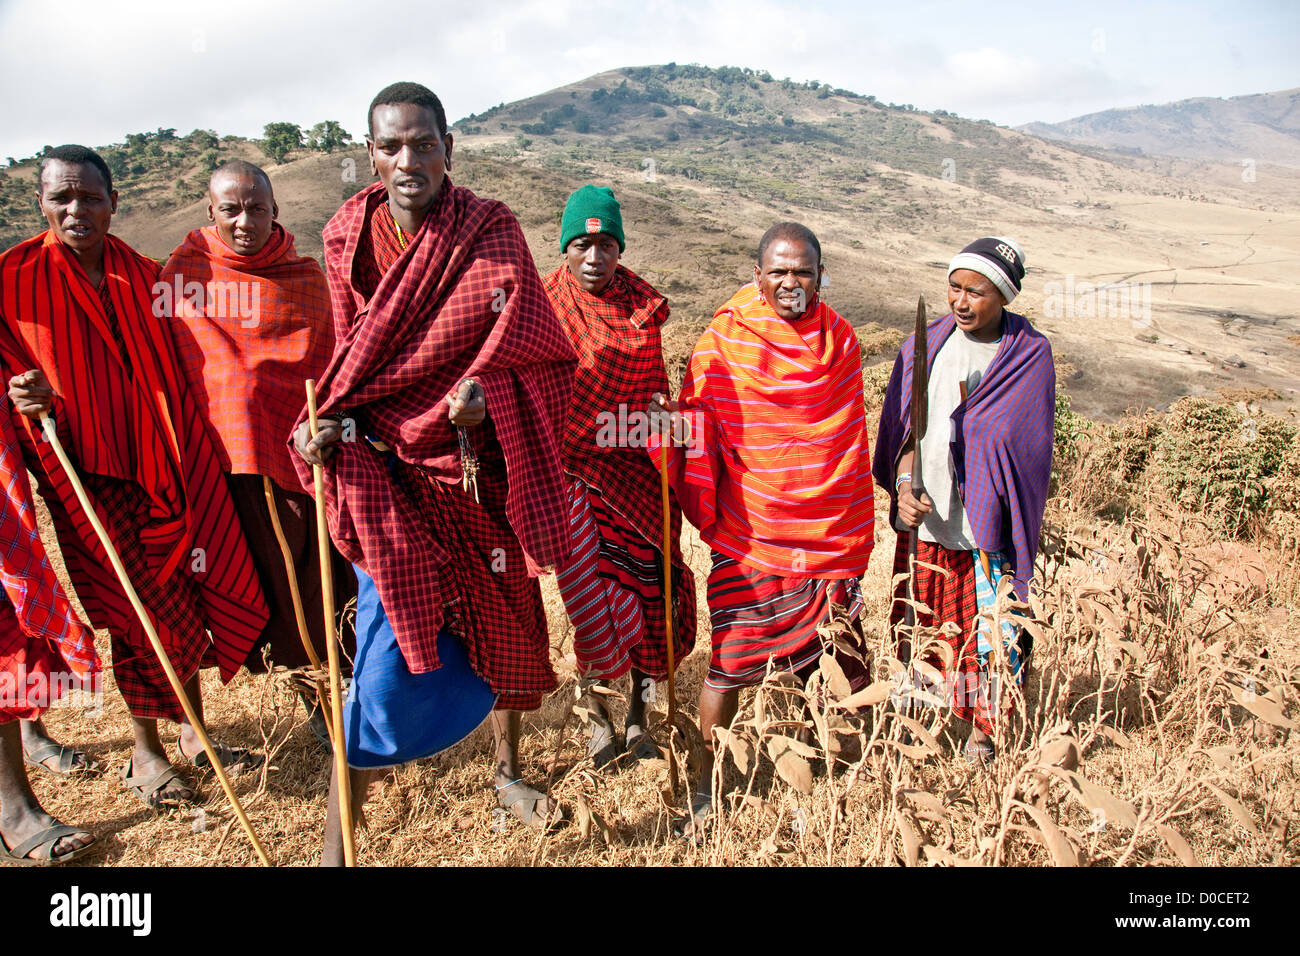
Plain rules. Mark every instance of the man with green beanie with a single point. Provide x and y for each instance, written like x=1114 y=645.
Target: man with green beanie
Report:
x=612 y=584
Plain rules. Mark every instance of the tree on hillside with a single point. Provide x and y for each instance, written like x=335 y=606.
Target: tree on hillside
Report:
x=279 y=139
x=203 y=139
x=165 y=133
x=328 y=136
x=117 y=163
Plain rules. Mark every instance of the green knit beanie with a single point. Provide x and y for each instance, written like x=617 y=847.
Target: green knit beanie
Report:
x=591 y=209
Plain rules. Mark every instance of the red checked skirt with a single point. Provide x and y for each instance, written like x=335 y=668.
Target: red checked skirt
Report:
x=760 y=617
x=952 y=598
x=490 y=602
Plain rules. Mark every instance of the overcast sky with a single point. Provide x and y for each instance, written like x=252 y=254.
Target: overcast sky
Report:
x=90 y=71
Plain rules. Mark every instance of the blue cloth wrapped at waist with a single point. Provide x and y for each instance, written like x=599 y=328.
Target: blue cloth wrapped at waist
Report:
x=392 y=716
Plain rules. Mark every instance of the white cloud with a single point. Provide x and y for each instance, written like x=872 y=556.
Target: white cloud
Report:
x=86 y=71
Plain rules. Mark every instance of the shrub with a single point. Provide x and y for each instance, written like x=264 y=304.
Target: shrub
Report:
x=1217 y=461
x=1284 y=498
x=875 y=379
x=1070 y=427
x=1132 y=442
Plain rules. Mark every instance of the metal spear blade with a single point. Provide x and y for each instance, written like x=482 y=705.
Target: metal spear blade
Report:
x=920 y=375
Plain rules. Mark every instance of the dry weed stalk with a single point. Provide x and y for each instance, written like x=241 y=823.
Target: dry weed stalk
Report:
x=1130 y=638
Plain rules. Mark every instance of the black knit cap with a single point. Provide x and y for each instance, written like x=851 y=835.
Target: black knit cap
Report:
x=999 y=260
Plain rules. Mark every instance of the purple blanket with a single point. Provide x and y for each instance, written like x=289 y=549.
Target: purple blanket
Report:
x=1002 y=445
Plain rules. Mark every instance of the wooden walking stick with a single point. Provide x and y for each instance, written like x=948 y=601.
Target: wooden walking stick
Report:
x=668 y=603
x=299 y=615
x=331 y=647
x=268 y=488
x=51 y=435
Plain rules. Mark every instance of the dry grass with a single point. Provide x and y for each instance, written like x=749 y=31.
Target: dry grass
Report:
x=1156 y=726
x=1154 y=729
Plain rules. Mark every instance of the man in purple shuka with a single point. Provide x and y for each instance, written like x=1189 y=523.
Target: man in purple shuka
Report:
x=986 y=459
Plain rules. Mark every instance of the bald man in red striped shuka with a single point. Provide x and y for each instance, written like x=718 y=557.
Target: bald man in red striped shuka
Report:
x=776 y=474
x=612 y=584
x=80 y=339
x=44 y=651
x=253 y=323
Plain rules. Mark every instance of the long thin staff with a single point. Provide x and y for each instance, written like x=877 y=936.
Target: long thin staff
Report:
x=668 y=604
x=919 y=418
x=331 y=648
x=51 y=435
x=268 y=488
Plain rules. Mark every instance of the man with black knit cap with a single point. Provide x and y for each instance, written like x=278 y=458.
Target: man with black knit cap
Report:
x=986 y=459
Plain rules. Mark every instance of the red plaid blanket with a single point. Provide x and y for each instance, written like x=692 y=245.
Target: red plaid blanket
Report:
x=463 y=299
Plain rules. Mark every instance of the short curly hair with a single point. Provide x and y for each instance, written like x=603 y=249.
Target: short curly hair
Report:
x=408 y=93
x=794 y=231
x=76 y=156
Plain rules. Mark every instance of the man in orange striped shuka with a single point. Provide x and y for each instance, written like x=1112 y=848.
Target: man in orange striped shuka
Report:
x=81 y=342
x=252 y=323
x=776 y=474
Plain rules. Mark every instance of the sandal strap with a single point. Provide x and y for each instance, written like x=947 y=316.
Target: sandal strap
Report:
x=51 y=835
x=45 y=751
x=525 y=794
x=67 y=757
x=150 y=785
x=229 y=756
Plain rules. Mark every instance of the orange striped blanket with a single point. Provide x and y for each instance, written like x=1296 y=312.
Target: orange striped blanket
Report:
x=777 y=472
x=249 y=331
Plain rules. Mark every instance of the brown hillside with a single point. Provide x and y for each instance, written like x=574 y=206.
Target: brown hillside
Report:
x=705 y=159
x=1264 y=127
